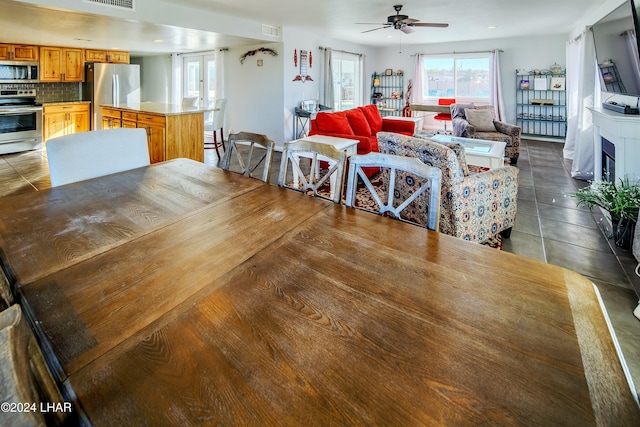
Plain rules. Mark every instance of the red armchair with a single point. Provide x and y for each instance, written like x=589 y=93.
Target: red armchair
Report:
x=362 y=123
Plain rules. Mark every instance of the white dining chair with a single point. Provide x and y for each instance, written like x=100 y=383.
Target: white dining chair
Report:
x=190 y=101
x=318 y=178
x=86 y=155
x=243 y=145
x=407 y=169
x=217 y=123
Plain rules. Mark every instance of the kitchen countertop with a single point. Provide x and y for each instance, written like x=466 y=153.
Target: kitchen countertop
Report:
x=46 y=104
x=159 y=108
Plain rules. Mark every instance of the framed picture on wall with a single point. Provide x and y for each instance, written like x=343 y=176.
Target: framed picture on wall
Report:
x=388 y=72
x=557 y=83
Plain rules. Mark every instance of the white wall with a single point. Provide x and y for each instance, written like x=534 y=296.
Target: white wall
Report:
x=155 y=78
x=255 y=95
x=296 y=91
x=524 y=52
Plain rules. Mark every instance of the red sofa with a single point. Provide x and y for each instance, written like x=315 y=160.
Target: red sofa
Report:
x=362 y=123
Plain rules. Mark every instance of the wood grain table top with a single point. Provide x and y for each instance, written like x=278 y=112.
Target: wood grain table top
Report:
x=249 y=304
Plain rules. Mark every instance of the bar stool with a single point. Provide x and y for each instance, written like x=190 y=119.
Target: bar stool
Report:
x=217 y=123
x=445 y=116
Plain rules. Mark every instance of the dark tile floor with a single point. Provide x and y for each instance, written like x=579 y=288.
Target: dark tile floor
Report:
x=549 y=227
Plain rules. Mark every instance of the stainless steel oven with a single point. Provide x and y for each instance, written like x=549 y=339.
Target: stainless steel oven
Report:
x=20 y=121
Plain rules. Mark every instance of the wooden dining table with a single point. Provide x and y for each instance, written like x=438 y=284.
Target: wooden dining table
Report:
x=182 y=294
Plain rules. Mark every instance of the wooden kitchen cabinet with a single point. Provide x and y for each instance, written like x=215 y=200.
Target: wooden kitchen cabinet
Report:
x=129 y=119
x=113 y=56
x=111 y=118
x=170 y=134
x=61 y=64
x=18 y=52
x=64 y=119
x=155 y=126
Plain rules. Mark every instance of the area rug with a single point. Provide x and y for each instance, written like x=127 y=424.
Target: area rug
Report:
x=366 y=202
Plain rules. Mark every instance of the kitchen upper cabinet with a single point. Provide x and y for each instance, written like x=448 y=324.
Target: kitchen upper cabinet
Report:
x=61 y=64
x=18 y=52
x=113 y=56
x=64 y=119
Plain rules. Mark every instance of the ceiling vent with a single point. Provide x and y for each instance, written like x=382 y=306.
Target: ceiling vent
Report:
x=270 y=30
x=122 y=4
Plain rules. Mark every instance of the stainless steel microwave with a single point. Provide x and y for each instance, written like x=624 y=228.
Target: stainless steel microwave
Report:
x=19 y=72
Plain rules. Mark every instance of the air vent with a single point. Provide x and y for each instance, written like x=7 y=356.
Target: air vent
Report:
x=122 y=4
x=270 y=30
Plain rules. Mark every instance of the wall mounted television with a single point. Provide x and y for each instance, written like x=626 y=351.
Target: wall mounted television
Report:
x=617 y=45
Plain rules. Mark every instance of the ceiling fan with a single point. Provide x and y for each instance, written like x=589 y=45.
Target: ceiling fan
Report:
x=402 y=22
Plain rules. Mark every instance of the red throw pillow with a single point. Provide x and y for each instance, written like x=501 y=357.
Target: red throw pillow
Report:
x=373 y=117
x=334 y=122
x=358 y=122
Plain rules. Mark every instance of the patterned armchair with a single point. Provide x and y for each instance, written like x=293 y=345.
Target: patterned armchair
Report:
x=510 y=134
x=474 y=207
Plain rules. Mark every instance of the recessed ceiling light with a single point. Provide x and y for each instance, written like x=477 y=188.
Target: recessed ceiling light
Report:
x=491 y=27
x=159 y=41
x=389 y=37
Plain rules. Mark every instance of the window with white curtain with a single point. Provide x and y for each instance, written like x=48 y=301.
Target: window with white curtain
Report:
x=347 y=80
x=465 y=77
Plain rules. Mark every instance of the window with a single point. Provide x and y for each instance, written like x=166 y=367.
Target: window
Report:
x=347 y=80
x=464 y=77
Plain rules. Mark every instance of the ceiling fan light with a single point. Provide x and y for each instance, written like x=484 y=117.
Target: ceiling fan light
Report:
x=407 y=29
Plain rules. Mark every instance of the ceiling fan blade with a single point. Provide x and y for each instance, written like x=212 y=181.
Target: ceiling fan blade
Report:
x=407 y=29
x=374 y=29
x=409 y=21
x=370 y=23
x=429 y=24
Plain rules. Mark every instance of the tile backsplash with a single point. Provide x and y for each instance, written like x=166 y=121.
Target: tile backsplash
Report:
x=50 y=92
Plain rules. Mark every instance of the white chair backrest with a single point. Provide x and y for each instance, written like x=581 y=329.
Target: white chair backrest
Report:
x=190 y=101
x=404 y=165
x=314 y=182
x=247 y=161
x=218 y=115
x=87 y=155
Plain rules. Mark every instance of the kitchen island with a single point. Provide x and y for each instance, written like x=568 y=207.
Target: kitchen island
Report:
x=172 y=130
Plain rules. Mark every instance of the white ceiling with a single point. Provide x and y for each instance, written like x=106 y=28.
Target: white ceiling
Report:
x=468 y=19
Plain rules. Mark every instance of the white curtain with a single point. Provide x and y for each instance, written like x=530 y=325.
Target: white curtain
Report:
x=581 y=92
x=632 y=47
x=176 y=83
x=497 y=98
x=326 y=79
x=220 y=54
x=416 y=90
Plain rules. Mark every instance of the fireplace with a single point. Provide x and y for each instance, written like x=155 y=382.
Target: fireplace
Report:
x=608 y=161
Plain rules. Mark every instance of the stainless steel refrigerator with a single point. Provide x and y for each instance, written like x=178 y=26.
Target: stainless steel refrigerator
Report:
x=116 y=84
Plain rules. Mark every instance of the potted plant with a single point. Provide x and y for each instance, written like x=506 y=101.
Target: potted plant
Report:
x=621 y=200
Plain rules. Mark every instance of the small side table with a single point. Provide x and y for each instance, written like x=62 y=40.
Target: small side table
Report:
x=479 y=152
x=301 y=123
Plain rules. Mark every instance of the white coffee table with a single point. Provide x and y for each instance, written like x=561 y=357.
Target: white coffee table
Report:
x=479 y=152
x=350 y=146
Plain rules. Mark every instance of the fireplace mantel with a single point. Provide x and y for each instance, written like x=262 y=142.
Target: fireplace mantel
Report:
x=623 y=131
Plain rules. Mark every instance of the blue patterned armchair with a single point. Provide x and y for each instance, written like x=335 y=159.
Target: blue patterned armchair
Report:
x=474 y=207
